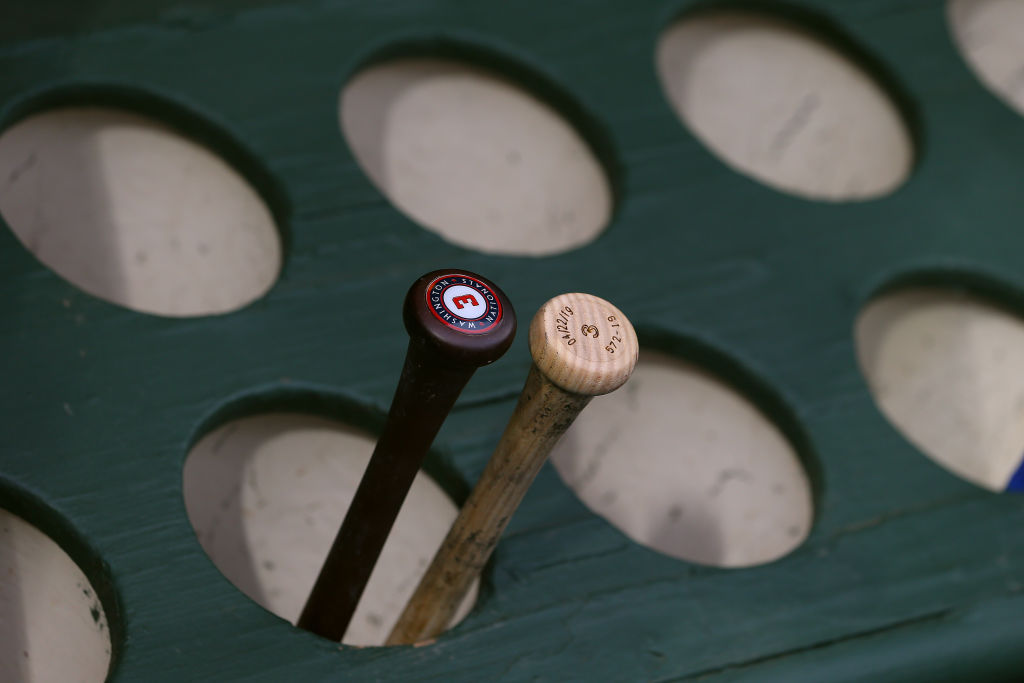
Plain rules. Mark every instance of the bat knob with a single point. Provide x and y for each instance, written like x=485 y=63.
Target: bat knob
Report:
x=460 y=316
x=583 y=344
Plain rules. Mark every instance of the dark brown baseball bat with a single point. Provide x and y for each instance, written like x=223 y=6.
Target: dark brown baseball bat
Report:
x=457 y=321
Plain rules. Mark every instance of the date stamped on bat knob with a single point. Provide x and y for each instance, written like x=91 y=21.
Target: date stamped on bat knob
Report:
x=593 y=339
x=562 y=325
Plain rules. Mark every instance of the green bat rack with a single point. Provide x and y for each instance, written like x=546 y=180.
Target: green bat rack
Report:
x=904 y=574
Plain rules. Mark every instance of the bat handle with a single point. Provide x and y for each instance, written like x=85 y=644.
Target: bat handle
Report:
x=405 y=439
x=444 y=350
x=542 y=415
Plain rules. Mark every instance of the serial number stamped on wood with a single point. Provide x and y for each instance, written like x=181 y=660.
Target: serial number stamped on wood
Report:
x=592 y=339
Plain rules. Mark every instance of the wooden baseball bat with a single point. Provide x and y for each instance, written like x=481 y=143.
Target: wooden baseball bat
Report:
x=457 y=321
x=582 y=346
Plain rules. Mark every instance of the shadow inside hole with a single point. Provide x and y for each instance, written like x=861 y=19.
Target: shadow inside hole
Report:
x=53 y=618
x=762 y=395
x=693 y=527
x=480 y=149
x=213 y=498
x=520 y=73
x=475 y=158
x=940 y=352
x=819 y=27
x=689 y=530
x=101 y=182
x=988 y=34
x=690 y=465
x=51 y=185
x=766 y=93
x=162 y=110
x=266 y=495
x=13 y=639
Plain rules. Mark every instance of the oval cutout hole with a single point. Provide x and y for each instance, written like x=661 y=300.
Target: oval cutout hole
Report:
x=947 y=370
x=52 y=625
x=134 y=213
x=990 y=36
x=783 y=107
x=684 y=465
x=266 y=496
x=474 y=158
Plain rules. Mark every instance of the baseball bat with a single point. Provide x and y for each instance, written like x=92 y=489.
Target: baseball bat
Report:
x=582 y=346
x=457 y=321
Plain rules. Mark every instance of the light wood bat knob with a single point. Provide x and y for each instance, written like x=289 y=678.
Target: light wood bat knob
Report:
x=583 y=344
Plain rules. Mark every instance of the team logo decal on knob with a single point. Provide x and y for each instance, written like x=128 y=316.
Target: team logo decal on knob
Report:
x=463 y=303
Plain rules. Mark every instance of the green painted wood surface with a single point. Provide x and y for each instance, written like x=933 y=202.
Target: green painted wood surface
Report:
x=909 y=573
